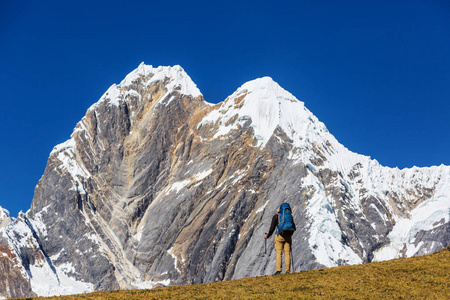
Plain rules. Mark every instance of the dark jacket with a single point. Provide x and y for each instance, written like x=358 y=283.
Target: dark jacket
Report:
x=274 y=225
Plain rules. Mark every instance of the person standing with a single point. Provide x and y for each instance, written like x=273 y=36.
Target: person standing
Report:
x=284 y=225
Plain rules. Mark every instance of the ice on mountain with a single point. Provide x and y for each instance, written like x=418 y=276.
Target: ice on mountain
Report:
x=38 y=224
x=267 y=105
x=45 y=282
x=427 y=216
x=65 y=153
x=5 y=218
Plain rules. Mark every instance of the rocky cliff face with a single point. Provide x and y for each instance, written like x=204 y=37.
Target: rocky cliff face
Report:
x=157 y=186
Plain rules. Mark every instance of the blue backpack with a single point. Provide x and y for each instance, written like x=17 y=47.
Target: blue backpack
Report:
x=285 y=221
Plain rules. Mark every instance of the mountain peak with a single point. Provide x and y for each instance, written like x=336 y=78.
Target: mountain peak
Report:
x=266 y=88
x=268 y=105
x=264 y=81
x=174 y=78
x=178 y=78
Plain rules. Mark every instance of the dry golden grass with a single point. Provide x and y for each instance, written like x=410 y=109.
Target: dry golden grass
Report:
x=425 y=277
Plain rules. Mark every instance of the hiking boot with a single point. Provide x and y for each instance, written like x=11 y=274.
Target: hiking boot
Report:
x=287 y=272
x=277 y=272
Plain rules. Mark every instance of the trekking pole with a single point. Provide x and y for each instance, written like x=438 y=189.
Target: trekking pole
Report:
x=265 y=243
x=292 y=261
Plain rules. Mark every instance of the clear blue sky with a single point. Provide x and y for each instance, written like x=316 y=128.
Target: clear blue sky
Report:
x=375 y=72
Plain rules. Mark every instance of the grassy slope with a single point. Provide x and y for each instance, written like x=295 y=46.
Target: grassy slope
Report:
x=425 y=277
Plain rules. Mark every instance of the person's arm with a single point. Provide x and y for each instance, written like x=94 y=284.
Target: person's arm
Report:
x=273 y=225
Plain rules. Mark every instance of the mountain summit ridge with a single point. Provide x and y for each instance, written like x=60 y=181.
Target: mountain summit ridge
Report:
x=158 y=186
x=177 y=79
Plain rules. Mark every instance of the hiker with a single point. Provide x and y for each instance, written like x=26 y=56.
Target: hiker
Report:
x=284 y=224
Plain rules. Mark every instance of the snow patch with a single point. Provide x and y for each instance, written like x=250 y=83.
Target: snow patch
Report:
x=178 y=186
x=170 y=251
x=268 y=106
x=427 y=216
x=65 y=153
x=20 y=235
x=325 y=234
x=5 y=218
x=38 y=224
x=140 y=284
x=178 y=79
x=44 y=282
x=203 y=175
x=262 y=208
x=57 y=255
x=138 y=235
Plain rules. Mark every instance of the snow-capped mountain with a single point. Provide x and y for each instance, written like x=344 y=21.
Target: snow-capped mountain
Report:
x=156 y=186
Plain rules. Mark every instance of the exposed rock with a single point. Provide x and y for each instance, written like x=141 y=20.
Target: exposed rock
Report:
x=14 y=283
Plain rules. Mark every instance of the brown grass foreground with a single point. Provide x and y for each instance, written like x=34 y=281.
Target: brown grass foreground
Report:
x=425 y=277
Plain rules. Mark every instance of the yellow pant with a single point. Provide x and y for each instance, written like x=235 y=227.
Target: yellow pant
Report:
x=283 y=243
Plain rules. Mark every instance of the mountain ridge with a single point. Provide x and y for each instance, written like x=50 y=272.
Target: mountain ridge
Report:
x=158 y=186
